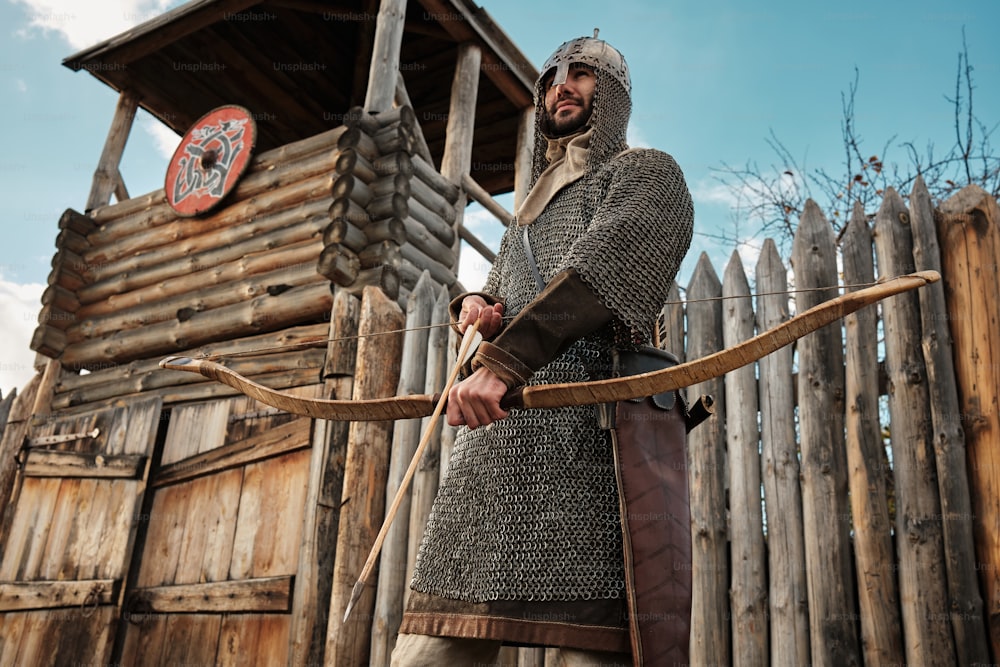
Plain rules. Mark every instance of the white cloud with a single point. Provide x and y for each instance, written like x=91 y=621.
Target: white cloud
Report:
x=85 y=24
x=635 y=138
x=710 y=191
x=19 y=306
x=749 y=251
x=473 y=268
x=22 y=87
x=478 y=219
x=164 y=139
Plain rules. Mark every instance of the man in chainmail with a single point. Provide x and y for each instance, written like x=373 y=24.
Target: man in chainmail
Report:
x=525 y=542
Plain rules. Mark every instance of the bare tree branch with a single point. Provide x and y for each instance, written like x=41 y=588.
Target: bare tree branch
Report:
x=775 y=198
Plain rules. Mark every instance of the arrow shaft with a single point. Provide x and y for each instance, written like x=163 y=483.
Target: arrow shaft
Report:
x=404 y=485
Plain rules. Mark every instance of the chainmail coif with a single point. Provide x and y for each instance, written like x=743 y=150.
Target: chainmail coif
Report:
x=529 y=509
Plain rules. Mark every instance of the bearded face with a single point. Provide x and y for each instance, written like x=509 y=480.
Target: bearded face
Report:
x=568 y=105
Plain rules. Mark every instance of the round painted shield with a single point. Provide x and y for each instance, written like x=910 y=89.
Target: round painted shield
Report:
x=210 y=160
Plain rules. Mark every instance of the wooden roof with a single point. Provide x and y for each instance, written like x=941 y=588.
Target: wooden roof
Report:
x=299 y=65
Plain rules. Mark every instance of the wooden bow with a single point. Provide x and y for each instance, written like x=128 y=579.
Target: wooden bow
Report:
x=581 y=393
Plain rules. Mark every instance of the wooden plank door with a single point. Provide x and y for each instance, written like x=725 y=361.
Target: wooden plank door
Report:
x=70 y=541
x=217 y=569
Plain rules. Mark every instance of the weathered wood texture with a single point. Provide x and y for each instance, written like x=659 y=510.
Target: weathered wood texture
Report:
x=282 y=359
x=710 y=618
x=314 y=580
x=457 y=158
x=868 y=465
x=107 y=175
x=923 y=593
x=15 y=431
x=787 y=597
x=70 y=539
x=748 y=587
x=384 y=70
x=366 y=472
x=427 y=476
x=392 y=581
x=968 y=228
x=948 y=439
x=223 y=535
x=829 y=563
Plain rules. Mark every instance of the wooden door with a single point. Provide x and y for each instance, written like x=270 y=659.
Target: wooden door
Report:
x=68 y=550
x=225 y=514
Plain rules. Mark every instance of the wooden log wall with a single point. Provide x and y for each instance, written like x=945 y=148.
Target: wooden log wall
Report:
x=132 y=282
x=394 y=218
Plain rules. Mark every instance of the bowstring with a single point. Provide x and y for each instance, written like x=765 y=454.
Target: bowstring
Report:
x=291 y=347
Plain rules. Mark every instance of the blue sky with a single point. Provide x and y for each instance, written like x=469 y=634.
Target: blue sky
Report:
x=711 y=80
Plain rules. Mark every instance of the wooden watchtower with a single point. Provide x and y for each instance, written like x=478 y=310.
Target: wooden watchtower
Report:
x=157 y=518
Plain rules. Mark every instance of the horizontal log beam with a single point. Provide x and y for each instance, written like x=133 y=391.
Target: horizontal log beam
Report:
x=266 y=594
x=487 y=201
x=476 y=244
x=433 y=200
x=158 y=280
x=426 y=172
x=257 y=275
x=340 y=231
x=265 y=161
x=138 y=377
x=195 y=253
x=147 y=374
x=53 y=463
x=288 y=437
x=122 y=237
x=258 y=315
x=26 y=595
x=201 y=391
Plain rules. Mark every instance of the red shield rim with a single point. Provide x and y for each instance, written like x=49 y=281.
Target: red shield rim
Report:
x=210 y=160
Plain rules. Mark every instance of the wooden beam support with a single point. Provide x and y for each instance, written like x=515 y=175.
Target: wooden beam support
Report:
x=384 y=69
x=265 y=594
x=508 y=69
x=26 y=595
x=402 y=98
x=106 y=177
x=275 y=441
x=457 y=158
x=53 y=463
x=486 y=200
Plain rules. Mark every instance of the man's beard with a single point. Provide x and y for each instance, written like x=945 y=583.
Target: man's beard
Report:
x=554 y=127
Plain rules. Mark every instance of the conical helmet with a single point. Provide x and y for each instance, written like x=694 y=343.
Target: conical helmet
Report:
x=590 y=51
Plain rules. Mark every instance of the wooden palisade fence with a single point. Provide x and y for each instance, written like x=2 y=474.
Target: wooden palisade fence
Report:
x=865 y=551
x=823 y=533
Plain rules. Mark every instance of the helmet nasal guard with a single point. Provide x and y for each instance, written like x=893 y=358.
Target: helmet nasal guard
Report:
x=590 y=51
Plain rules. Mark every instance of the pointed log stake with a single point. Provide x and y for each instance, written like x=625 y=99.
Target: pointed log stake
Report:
x=471 y=334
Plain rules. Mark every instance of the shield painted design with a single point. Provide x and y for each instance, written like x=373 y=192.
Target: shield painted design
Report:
x=210 y=160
